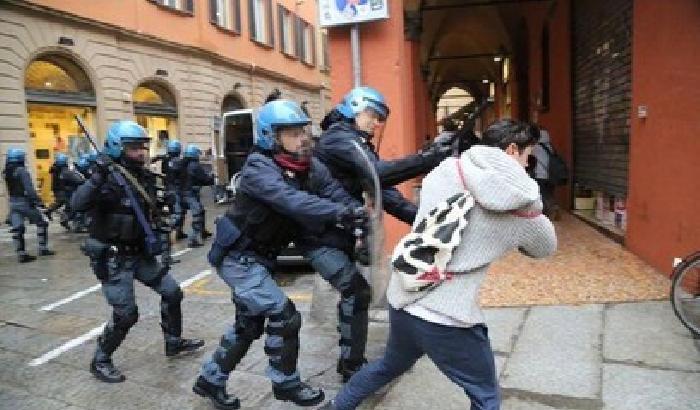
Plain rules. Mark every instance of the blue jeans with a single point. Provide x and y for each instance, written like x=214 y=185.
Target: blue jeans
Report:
x=257 y=298
x=462 y=354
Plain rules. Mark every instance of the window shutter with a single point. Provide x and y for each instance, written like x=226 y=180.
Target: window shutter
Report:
x=212 y=12
x=251 y=18
x=299 y=37
x=313 y=44
x=237 y=9
x=270 y=24
x=280 y=24
x=189 y=6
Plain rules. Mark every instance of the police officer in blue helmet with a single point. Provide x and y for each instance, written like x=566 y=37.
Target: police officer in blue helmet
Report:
x=356 y=118
x=171 y=167
x=194 y=177
x=64 y=181
x=281 y=188
x=24 y=203
x=117 y=245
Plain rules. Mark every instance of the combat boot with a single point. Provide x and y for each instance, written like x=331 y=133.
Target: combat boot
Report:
x=194 y=243
x=46 y=252
x=347 y=368
x=206 y=234
x=217 y=394
x=175 y=347
x=24 y=258
x=105 y=371
x=301 y=395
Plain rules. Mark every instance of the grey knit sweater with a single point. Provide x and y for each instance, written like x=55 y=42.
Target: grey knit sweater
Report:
x=506 y=216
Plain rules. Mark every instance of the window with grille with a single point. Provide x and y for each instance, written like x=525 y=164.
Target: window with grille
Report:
x=260 y=21
x=226 y=14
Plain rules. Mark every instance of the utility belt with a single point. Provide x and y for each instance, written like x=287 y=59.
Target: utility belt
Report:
x=229 y=239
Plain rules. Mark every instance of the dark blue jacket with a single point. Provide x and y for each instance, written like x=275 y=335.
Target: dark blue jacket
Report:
x=194 y=176
x=338 y=153
x=273 y=205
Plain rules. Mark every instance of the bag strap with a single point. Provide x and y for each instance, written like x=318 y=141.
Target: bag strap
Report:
x=461 y=174
x=549 y=150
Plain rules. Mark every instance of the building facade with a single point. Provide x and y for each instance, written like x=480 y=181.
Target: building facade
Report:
x=174 y=66
x=613 y=81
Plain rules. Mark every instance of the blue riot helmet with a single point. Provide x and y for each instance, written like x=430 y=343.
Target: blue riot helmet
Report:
x=174 y=148
x=192 y=151
x=121 y=133
x=362 y=98
x=60 y=159
x=83 y=163
x=16 y=156
x=275 y=115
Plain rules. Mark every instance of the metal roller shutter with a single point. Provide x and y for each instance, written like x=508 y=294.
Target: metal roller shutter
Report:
x=602 y=74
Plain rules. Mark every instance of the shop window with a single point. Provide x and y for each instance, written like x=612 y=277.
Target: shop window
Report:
x=260 y=21
x=185 y=6
x=56 y=90
x=305 y=42
x=226 y=14
x=285 y=20
x=156 y=110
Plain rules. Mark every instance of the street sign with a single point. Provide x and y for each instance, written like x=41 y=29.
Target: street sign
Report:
x=341 y=12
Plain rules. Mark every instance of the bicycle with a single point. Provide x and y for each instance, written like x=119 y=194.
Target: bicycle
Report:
x=685 y=292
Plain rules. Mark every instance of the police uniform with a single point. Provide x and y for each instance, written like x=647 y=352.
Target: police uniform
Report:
x=64 y=181
x=332 y=255
x=24 y=202
x=118 y=252
x=273 y=200
x=193 y=178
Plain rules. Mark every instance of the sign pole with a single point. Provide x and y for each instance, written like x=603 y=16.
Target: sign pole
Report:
x=356 y=59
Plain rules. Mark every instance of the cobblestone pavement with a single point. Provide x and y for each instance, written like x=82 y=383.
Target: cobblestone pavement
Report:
x=589 y=356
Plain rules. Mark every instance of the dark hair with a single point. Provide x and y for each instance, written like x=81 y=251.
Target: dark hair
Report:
x=502 y=133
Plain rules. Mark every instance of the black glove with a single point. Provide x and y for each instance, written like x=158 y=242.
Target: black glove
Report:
x=441 y=148
x=102 y=165
x=351 y=218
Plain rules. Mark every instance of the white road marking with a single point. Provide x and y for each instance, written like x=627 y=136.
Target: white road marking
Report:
x=80 y=294
x=98 y=330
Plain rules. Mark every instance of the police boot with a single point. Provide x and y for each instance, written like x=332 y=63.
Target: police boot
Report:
x=195 y=242
x=217 y=394
x=46 y=252
x=180 y=345
x=347 y=368
x=105 y=371
x=24 y=258
x=206 y=234
x=301 y=395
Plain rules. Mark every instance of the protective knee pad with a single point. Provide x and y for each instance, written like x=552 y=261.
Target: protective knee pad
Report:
x=361 y=290
x=250 y=328
x=289 y=322
x=124 y=321
x=174 y=297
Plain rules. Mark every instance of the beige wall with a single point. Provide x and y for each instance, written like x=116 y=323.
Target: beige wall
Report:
x=117 y=63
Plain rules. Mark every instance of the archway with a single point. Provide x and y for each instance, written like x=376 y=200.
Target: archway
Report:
x=155 y=109
x=57 y=89
x=452 y=104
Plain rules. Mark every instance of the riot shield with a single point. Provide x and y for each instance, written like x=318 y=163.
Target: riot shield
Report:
x=377 y=271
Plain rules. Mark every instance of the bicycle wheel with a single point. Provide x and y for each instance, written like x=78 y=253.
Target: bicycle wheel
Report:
x=685 y=292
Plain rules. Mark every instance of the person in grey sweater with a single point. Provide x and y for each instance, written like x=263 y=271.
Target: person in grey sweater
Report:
x=446 y=322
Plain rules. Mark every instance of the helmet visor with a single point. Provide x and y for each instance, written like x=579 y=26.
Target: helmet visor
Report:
x=381 y=109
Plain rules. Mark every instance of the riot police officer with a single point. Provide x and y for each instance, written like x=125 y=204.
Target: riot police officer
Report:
x=280 y=189
x=24 y=203
x=122 y=245
x=193 y=178
x=64 y=181
x=171 y=168
x=82 y=165
x=355 y=119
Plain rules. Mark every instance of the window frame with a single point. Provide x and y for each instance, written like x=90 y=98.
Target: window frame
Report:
x=183 y=7
x=302 y=27
x=285 y=15
x=269 y=29
x=235 y=16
